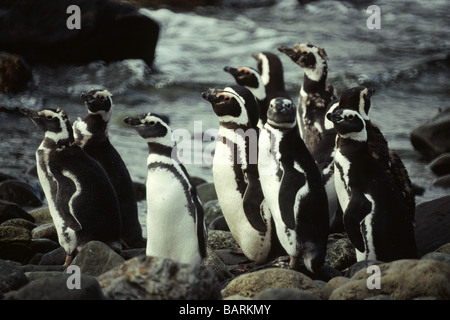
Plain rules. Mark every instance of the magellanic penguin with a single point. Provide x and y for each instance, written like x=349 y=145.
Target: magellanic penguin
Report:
x=375 y=211
x=91 y=133
x=235 y=173
x=81 y=199
x=359 y=99
x=175 y=219
x=293 y=188
x=315 y=95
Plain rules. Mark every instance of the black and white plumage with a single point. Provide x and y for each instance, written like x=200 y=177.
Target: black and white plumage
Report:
x=359 y=99
x=175 y=218
x=375 y=211
x=91 y=133
x=315 y=95
x=81 y=199
x=235 y=173
x=293 y=188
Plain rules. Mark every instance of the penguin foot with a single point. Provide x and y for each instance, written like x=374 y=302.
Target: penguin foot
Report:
x=68 y=261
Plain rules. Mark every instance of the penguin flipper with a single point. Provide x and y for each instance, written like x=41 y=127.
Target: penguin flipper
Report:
x=68 y=196
x=252 y=200
x=291 y=182
x=358 y=208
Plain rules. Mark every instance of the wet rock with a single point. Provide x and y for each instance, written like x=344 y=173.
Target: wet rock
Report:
x=153 y=278
x=432 y=225
x=15 y=74
x=131 y=253
x=206 y=192
x=340 y=252
x=11 y=277
x=285 y=294
x=107 y=29
x=16 y=251
x=212 y=211
x=442 y=182
x=96 y=258
x=441 y=164
x=218 y=239
x=47 y=231
x=10 y=210
x=42 y=245
x=250 y=284
x=433 y=137
x=54 y=257
x=56 y=288
x=219 y=224
x=402 y=279
x=41 y=215
x=20 y=192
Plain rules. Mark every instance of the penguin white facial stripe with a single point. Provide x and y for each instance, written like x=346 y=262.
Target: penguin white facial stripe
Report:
x=315 y=73
x=243 y=117
x=327 y=123
x=265 y=76
x=104 y=93
x=362 y=112
x=56 y=136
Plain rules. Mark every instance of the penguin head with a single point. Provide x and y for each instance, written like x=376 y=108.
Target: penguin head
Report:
x=54 y=122
x=309 y=57
x=98 y=102
x=234 y=104
x=152 y=128
x=348 y=124
x=281 y=113
x=245 y=76
x=270 y=67
x=358 y=99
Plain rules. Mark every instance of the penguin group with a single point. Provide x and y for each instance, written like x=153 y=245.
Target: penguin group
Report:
x=285 y=175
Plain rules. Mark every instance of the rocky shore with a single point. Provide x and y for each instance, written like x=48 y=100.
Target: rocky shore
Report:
x=31 y=263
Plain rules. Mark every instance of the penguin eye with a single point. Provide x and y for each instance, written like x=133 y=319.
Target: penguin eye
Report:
x=304 y=52
x=152 y=123
x=227 y=98
x=350 y=117
x=48 y=117
x=246 y=72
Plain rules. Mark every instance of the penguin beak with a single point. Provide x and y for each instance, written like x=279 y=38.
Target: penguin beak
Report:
x=290 y=52
x=334 y=117
x=87 y=97
x=29 y=113
x=210 y=95
x=233 y=71
x=371 y=92
x=132 y=121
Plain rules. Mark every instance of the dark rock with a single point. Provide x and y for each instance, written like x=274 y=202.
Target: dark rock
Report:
x=20 y=192
x=36 y=268
x=442 y=182
x=433 y=137
x=47 y=231
x=198 y=181
x=9 y=210
x=43 y=245
x=206 y=192
x=96 y=258
x=11 y=277
x=4 y=176
x=152 y=278
x=219 y=224
x=341 y=253
x=212 y=211
x=432 y=225
x=215 y=263
x=16 y=251
x=131 y=253
x=441 y=164
x=109 y=31
x=354 y=268
x=54 y=257
x=56 y=288
x=15 y=74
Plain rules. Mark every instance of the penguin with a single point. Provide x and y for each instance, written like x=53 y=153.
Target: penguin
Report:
x=91 y=133
x=235 y=173
x=175 y=219
x=315 y=95
x=81 y=199
x=292 y=186
x=375 y=211
x=359 y=99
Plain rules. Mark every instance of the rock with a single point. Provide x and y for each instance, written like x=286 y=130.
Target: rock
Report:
x=218 y=239
x=215 y=263
x=46 y=230
x=16 y=251
x=340 y=252
x=20 y=192
x=14 y=234
x=4 y=176
x=251 y=283
x=15 y=74
x=212 y=211
x=107 y=29
x=153 y=278
x=432 y=225
x=442 y=182
x=380 y=297
x=432 y=138
x=354 y=268
x=444 y=248
x=438 y=256
x=41 y=268
x=402 y=279
x=284 y=294
x=43 y=245
x=33 y=275
x=206 y=192
x=331 y=285
x=131 y=253
x=54 y=257
x=56 y=288
x=9 y=210
x=11 y=277
x=41 y=215
x=19 y=222
x=96 y=258
x=219 y=224
x=441 y=164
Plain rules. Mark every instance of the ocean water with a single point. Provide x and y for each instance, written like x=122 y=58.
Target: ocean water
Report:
x=407 y=61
